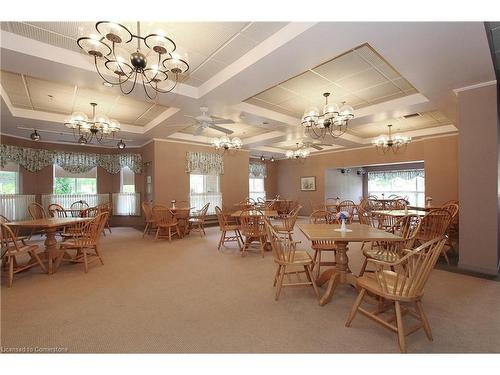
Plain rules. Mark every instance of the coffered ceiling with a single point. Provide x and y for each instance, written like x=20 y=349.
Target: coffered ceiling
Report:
x=360 y=77
x=262 y=75
x=54 y=97
x=208 y=46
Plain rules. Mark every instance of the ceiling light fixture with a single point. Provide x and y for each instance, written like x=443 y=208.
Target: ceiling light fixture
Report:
x=225 y=144
x=35 y=136
x=99 y=127
x=394 y=143
x=332 y=121
x=272 y=159
x=157 y=65
x=262 y=158
x=121 y=145
x=298 y=153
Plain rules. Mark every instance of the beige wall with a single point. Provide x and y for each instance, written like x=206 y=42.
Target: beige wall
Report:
x=439 y=154
x=271 y=181
x=171 y=181
x=479 y=179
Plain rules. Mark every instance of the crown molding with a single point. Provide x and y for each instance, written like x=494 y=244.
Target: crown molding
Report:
x=475 y=86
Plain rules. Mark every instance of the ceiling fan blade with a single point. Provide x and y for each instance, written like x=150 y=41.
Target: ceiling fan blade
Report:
x=199 y=130
x=220 y=128
x=221 y=121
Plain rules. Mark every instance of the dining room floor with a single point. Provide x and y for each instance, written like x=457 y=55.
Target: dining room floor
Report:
x=186 y=297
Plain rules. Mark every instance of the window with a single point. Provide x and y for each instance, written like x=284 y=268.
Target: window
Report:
x=127 y=180
x=205 y=189
x=74 y=183
x=256 y=188
x=408 y=183
x=9 y=179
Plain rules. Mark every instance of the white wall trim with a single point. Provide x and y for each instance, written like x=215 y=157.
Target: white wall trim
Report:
x=475 y=86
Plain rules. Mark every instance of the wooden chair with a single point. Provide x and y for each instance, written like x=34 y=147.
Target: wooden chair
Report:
x=406 y=227
x=405 y=285
x=452 y=232
x=56 y=210
x=253 y=230
x=287 y=223
x=165 y=220
x=36 y=212
x=90 y=212
x=197 y=221
x=433 y=225
x=12 y=247
x=182 y=216
x=322 y=217
x=314 y=206
x=351 y=208
x=15 y=230
x=106 y=207
x=225 y=227
x=148 y=217
x=78 y=206
x=86 y=243
x=288 y=260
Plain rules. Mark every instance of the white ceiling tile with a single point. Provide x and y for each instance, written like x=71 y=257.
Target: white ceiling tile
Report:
x=260 y=31
x=305 y=83
x=362 y=80
x=19 y=100
x=370 y=55
x=342 y=66
x=403 y=84
x=276 y=95
x=379 y=91
x=388 y=71
x=208 y=70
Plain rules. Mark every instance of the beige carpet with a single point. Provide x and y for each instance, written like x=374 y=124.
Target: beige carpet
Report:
x=184 y=296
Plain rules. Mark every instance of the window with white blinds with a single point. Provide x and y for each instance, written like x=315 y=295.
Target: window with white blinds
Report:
x=75 y=183
x=256 y=188
x=127 y=180
x=205 y=188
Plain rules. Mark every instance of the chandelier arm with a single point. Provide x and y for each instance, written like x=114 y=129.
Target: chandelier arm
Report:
x=169 y=90
x=104 y=79
x=133 y=86
x=120 y=66
x=146 y=90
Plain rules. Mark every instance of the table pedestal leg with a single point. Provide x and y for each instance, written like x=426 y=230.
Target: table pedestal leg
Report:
x=50 y=248
x=340 y=274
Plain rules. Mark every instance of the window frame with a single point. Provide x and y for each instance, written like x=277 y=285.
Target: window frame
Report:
x=16 y=178
x=121 y=181
x=75 y=183
x=417 y=194
x=254 y=194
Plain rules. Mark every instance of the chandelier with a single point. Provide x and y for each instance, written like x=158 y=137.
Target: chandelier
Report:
x=99 y=127
x=224 y=143
x=154 y=67
x=332 y=121
x=394 y=143
x=298 y=153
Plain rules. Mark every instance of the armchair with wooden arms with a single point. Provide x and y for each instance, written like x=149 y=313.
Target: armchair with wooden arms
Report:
x=400 y=284
x=225 y=226
x=289 y=261
x=11 y=247
x=197 y=220
x=286 y=223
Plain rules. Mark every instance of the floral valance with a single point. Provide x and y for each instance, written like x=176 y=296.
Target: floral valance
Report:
x=257 y=170
x=75 y=162
x=404 y=174
x=204 y=163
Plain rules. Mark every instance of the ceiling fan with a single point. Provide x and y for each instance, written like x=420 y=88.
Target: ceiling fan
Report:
x=205 y=121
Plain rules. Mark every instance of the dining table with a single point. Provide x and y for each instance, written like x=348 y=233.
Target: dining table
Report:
x=399 y=213
x=266 y=213
x=341 y=273
x=49 y=226
x=182 y=215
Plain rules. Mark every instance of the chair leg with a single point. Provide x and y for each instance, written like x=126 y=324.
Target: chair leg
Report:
x=355 y=307
x=39 y=261
x=276 y=275
x=425 y=322
x=178 y=231
x=98 y=254
x=261 y=246
x=200 y=229
x=85 y=260
x=443 y=251
x=11 y=271
x=221 y=240
x=169 y=234
x=146 y=230
x=401 y=330
x=313 y=283
x=238 y=237
x=363 y=267
x=157 y=233
x=318 y=271
x=280 y=282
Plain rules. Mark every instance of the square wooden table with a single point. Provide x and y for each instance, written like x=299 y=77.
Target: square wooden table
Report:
x=399 y=213
x=49 y=226
x=341 y=273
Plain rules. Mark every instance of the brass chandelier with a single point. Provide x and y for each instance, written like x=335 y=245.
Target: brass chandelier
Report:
x=394 y=143
x=153 y=66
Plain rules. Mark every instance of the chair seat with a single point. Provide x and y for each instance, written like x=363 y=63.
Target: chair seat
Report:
x=324 y=246
x=232 y=227
x=195 y=220
x=282 y=228
x=166 y=225
x=369 y=282
x=382 y=255
x=11 y=250
x=300 y=258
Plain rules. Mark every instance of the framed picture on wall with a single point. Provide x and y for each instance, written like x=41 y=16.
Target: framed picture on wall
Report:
x=308 y=183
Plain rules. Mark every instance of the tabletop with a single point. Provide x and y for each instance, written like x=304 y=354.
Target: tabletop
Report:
x=360 y=232
x=53 y=222
x=267 y=213
x=399 y=213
